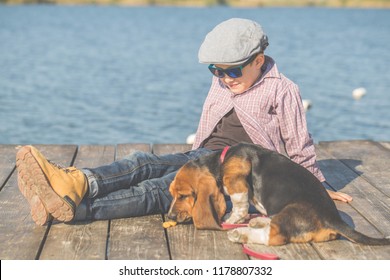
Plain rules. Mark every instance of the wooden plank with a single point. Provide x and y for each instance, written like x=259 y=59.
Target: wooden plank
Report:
x=345 y=249
x=292 y=251
x=367 y=199
x=138 y=237
x=7 y=162
x=144 y=238
x=362 y=213
x=81 y=240
x=20 y=237
x=342 y=178
x=188 y=243
x=161 y=149
x=386 y=145
x=127 y=149
x=369 y=159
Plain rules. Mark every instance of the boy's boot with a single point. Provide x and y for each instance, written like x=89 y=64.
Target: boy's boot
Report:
x=51 y=190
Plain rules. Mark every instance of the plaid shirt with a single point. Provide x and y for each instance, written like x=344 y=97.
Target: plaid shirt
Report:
x=271 y=112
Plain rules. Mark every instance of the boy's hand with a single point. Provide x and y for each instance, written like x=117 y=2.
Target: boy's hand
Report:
x=339 y=196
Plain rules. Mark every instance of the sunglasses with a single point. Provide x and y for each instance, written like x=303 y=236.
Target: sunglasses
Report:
x=234 y=72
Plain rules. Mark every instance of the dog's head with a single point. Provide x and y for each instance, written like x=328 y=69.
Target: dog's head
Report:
x=196 y=196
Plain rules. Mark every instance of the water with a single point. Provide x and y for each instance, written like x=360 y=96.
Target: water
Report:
x=107 y=75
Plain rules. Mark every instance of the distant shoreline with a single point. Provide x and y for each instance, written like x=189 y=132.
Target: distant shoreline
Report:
x=205 y=3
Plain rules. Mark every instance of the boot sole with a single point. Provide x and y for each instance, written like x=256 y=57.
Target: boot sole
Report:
x=39 y=213
x=35 y=186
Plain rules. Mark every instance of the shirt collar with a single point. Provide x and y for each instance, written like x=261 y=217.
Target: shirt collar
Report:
x=269 y=70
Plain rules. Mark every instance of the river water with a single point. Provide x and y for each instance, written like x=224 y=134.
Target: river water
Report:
x=107 y=75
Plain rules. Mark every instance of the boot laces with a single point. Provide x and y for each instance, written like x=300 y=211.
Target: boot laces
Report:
x=61 y=167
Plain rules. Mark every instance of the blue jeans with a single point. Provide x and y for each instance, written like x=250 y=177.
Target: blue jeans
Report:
x=134 y=186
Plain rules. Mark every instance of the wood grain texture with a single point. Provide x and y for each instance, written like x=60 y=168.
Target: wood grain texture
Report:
x=20 y=237
x=359 y=168
x=188 y=243
x=138 y=238
x=7 y=162
x=362 y=213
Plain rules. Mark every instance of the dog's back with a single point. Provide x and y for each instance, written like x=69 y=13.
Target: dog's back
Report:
x=278 y=181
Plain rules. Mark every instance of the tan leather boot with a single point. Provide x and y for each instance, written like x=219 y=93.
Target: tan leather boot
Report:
x=51 y=190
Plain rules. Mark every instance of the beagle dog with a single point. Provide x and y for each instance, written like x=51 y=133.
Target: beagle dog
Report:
x=297 y=206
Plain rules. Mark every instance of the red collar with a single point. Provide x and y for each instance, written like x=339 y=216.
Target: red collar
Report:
x=223 y=154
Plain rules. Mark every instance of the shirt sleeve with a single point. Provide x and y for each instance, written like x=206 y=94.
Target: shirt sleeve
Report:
x=293 y=128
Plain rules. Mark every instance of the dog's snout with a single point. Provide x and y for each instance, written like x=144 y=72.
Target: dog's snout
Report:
x=172 y=216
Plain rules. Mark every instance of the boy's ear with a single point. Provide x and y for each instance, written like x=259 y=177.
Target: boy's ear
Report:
x=259 y=60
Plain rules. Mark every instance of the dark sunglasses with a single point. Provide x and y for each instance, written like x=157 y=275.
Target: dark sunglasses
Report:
x=234 y=72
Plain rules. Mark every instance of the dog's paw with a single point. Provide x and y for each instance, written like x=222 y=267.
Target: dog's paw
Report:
x=238 y=235
x=237 y=216
x=259 y=222
x=250 y=235
x=235 y=219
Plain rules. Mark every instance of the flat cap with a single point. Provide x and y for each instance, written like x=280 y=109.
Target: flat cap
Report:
x=232 y=42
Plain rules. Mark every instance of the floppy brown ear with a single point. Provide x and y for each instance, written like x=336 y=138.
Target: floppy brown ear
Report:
x=210 y=205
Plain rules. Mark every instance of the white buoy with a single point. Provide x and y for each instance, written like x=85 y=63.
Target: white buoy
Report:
x=358 y=93
x=306 y=104
x=191 y=139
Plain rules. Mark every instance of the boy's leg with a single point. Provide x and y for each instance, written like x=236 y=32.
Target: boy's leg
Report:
x=135 y=186
x=148 y=197
x=131 y=170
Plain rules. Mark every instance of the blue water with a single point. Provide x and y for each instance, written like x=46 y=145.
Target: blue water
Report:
x=107 y=75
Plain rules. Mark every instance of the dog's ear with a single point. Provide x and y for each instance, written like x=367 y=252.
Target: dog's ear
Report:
x=210 y=205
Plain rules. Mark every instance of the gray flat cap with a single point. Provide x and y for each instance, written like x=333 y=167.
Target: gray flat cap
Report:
x=232 y=42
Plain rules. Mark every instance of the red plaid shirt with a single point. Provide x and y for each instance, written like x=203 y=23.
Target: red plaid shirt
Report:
x=271 y=112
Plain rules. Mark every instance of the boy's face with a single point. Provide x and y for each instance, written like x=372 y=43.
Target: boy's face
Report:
x=250 y=74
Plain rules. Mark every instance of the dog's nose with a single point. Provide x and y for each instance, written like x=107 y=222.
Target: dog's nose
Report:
x=172 y=216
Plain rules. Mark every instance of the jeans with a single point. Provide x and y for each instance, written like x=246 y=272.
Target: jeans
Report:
x=134 y=186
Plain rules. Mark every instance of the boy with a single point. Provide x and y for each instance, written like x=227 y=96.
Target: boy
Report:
x=249 y=101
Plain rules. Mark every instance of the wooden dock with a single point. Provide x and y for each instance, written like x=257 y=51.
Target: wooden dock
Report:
x=359 y=168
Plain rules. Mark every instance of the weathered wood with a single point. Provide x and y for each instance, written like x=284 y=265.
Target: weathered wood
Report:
x=368 y=159
x=188 y=243
x=7 y=162
x=85 y=240
x=161 y=149
x=20 y=237
x=342 y=178
x=139 y=237
x=343 y=249
x=359 y=168
x=367 y=199
x=292 y=251
x=127 y=149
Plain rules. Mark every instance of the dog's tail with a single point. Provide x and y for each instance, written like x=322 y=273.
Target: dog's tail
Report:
x=348 y=232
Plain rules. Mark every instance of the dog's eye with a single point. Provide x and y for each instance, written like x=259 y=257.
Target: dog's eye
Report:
x=183 y=196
